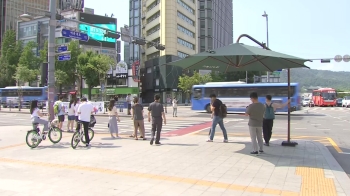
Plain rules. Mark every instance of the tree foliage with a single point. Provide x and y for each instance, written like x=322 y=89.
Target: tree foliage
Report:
x=28 y=62
x=93 y=68
x=323 y=78
x=65 y=71
x=186 y=82
x=24 y=74
x=10 y=54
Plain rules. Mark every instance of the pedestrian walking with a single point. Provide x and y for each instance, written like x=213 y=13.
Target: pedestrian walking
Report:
x=137 y=117
x=85 y=110
x=128 y=100
x=59 y=110
x=219 y=112
x=174 y=107
x=113 y=118
x=156 y=111
x=269 y=117
x=71 y=116
x=255 y=111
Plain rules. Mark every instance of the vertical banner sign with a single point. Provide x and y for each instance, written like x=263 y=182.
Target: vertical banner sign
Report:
x=135 y=71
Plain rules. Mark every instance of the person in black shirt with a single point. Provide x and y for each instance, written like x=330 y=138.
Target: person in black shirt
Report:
x=217 y=119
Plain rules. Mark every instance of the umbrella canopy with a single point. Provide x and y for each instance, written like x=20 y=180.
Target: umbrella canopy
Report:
x=240 y=57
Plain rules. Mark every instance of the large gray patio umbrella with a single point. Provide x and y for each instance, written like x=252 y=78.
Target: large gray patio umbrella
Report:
x=240 y=57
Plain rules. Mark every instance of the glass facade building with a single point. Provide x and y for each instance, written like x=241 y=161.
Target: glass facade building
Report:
x=215 y=26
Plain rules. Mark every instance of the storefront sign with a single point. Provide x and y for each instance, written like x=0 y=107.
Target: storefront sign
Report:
x=136 y=71
x=121 y=75
x=110 y=91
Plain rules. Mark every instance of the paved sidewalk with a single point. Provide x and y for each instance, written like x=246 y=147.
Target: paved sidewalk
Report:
x=185 y=165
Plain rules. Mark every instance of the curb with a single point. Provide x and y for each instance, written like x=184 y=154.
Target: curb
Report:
x=337 y=170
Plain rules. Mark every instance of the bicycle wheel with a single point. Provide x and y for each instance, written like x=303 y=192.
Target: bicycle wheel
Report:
x=75 y=140
x=91 y=135
x=55 y=135
x=32 y=139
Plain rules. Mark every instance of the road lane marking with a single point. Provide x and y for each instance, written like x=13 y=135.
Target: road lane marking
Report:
x=335 y=146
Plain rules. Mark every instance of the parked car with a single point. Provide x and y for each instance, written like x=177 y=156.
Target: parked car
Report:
x=346 y=101
x=306 y=101
x=311 y=103
x=339 y=102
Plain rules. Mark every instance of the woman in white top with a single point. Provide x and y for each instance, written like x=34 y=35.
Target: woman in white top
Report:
x=113 y=118
x=76 y=106
x=174 y=107
x=71 y=116
x=36 y=114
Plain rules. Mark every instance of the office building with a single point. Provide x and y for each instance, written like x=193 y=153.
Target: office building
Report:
x=215 y=24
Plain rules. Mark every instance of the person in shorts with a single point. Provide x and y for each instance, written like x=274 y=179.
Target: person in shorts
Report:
x=61 y=112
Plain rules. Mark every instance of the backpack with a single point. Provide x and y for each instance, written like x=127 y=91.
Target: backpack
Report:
x=222 y=110
x=56 y=107
x=269 y=112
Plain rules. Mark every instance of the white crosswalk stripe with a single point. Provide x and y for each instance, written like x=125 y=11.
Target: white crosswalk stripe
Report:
x=128 y=126
x=327 y=109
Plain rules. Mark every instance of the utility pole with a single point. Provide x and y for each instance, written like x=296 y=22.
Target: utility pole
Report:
x=51 y=59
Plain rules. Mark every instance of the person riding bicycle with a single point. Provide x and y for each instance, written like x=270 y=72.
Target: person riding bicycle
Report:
x=85 y=110
x=35 y=115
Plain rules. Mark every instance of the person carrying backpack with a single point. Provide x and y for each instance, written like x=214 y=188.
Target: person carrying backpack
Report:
x=59 y=110
x=269 y=116
x=219 y=112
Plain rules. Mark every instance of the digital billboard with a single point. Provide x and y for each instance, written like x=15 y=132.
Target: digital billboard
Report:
x=96 y=35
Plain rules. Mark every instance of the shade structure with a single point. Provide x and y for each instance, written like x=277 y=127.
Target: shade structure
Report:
x=240 y=57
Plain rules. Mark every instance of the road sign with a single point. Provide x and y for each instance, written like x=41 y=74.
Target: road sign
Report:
x=346 y=58
x=75 y=35
x=62 y=48
x=338 y=58
x=125 y=34
x=64 y=57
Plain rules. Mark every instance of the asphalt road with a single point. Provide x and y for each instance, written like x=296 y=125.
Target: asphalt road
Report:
x=316 y=124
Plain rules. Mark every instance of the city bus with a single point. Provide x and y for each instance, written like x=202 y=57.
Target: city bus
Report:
x=235 y=95
x=324 y=97
x=10 y=95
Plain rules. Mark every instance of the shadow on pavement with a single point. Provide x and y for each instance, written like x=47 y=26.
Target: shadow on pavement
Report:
x=173 y=144
x=306 y=154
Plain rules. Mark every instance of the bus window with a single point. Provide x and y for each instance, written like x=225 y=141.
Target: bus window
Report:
x=197 y=93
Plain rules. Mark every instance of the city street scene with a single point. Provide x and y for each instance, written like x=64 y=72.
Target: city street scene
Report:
x=174 y=98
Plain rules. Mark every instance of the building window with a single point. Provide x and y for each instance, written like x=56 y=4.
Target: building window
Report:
x=153 y=55
x=201 y=5
x=181 y=54
x=184 y=5
x=153 y=30
x=185 y=18
x=185 y=43
x=154 y=4
x=202 y=23
x=121 y=82
x=157 y=82
x=202 y=14
x=149 y=70
x=184 y=30
x=137 y=4
x=153 y=17
x=136 y=13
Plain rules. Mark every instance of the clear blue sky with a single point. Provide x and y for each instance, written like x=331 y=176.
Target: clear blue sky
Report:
x=307 y=29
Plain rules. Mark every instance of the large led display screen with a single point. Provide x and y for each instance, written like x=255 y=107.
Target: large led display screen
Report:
x=96 y=35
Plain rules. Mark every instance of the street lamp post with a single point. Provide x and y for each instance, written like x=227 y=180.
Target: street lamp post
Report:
x=51 y=58
x=267 y=40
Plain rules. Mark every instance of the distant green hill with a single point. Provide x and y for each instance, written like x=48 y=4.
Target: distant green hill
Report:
x=313 y=77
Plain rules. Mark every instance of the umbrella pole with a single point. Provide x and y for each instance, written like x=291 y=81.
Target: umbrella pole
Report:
x=288 y=142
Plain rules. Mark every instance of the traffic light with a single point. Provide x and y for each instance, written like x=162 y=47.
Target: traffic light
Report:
x=139 y=42
x=112 y=35
x=160 y=47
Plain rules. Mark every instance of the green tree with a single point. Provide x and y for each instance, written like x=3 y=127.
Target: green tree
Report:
x=186 y=82
x=93 y=68
x=28 y=58
x=10 y=53
x=234 y=76
x=24 y=74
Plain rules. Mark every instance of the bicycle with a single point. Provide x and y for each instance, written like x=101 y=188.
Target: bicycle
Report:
x=34 y=137
x=80 y=135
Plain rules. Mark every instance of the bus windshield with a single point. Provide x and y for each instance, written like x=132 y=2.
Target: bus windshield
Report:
x=328 y=96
